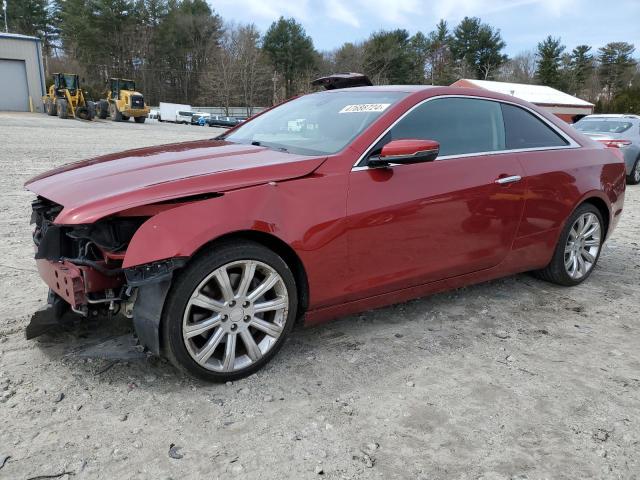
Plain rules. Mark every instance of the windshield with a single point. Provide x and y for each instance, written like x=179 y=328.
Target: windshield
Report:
x=70 y=81
x=317 y=124
x=603 y=126
x=127 y=85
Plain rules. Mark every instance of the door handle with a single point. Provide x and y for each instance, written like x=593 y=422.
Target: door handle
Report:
x=510 y=179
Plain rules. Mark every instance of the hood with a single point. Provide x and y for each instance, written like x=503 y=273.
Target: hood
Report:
x=92 y=189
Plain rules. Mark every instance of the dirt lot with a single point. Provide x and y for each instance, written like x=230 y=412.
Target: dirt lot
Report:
x=511 y=379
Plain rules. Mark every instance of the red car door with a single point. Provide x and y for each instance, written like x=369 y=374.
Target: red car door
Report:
x=413 y=224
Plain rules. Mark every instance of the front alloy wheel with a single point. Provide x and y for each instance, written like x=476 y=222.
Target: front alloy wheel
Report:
x=235 y=316
x=229 y=312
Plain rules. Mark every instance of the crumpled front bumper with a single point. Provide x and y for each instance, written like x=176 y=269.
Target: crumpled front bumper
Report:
x=73 y=283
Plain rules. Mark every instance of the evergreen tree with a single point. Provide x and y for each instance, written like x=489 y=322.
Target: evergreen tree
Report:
x=616 y=66
x=549 y=60
x=419 y=52
x=28 y=17
x=440 y=63
x=581 y=68
x=388 y=59
x=477 y=48
x=290 y=50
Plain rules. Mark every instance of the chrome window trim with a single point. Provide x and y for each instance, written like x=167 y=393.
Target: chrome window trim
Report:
x=571 y=142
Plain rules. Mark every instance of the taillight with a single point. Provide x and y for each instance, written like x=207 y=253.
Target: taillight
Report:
x=615 y=143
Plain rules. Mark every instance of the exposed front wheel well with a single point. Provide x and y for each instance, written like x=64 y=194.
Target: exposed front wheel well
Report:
x=281 y=248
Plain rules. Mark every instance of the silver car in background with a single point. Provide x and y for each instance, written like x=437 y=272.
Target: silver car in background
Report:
x=617 y=131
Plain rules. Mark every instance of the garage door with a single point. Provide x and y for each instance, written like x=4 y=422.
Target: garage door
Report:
x=14 y=95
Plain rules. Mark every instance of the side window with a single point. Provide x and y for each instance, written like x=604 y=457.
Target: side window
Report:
x=460 y=125
x=525 y=130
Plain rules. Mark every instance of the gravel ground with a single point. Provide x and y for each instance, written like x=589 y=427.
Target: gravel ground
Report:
x=510 y=379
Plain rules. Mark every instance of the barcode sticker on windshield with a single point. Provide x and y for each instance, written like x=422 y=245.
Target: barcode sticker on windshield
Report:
x=365 y=108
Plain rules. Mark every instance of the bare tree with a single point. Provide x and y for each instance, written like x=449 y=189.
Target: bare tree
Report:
x=226 y=68
x=519 y=69
x=253 y=69
x=240 y=74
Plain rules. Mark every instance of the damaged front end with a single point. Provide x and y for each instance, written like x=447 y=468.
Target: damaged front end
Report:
x=82 y=265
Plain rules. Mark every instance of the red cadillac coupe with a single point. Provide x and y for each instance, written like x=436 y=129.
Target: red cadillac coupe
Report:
x=329 y=204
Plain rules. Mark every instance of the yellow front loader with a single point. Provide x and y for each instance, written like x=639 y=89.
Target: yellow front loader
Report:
x=66 y=99
x=123 y=102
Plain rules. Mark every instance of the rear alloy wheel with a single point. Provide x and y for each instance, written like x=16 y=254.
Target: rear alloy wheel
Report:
x=583 y=245
x=578 y=249
x=634 y=177
x=230 y=312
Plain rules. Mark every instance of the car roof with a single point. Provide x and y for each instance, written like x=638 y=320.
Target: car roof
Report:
x=384 y=88
x=612 y=115
x=435 y=90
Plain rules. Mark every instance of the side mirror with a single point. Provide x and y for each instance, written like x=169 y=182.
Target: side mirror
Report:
x=405 y=152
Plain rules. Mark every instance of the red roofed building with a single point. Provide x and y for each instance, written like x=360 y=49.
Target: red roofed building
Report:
x=565 y=106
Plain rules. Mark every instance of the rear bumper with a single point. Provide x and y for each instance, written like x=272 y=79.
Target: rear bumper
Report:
x=73 y=283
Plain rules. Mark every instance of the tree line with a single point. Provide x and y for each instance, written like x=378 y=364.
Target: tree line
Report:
x=183 y=51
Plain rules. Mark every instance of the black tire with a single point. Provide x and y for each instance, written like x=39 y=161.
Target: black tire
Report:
x=61 y=107
x=91 y=108
x=51 y=109
x=114 y=113
x=139 y=119
x=634 y=177
x=102 y=109
x=186 y=281
x=556 y=271
x=88 y=112
x=125 y=118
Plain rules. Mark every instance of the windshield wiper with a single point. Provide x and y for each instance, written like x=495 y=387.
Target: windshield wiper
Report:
x=271 y=146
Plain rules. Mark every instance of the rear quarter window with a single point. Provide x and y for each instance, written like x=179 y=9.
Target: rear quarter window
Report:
x=524 y=130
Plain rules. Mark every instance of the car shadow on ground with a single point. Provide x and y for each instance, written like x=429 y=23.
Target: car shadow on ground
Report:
x=452 y=320
x=97 y=346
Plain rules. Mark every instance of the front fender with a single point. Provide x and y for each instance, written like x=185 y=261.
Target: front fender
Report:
x=181 y=231
x=307 y=213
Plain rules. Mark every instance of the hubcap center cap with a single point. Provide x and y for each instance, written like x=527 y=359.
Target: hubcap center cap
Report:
x=236 y=315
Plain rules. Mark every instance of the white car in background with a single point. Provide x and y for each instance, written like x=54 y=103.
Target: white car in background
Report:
x=184 y=117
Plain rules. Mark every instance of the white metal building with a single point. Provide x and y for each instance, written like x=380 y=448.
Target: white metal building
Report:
x=22 y=73
x=563 y=105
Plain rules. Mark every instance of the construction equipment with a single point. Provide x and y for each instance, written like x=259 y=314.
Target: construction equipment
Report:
x=123 y=102
x=66 y=99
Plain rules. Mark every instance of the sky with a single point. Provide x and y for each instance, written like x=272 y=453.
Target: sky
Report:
x=523 y=23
